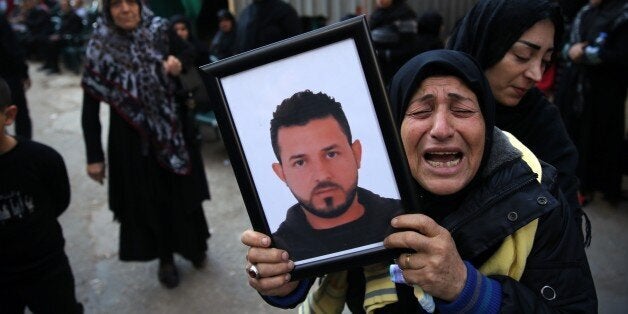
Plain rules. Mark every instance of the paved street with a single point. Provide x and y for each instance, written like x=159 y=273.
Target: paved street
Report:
x=106 y=285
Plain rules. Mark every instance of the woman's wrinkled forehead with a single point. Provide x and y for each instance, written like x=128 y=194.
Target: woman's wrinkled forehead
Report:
x=448 y=88
x=451 y=81
x=443 y=80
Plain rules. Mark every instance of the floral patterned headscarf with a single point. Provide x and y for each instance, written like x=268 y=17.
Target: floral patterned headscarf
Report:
x=125 y=70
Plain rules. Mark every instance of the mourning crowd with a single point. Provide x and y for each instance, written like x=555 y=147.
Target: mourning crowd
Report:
x=502 y=120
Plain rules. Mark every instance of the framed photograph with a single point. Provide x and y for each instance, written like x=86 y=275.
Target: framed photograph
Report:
x=313 y=145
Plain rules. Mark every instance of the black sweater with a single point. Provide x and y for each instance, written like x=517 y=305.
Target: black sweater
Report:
x=302 y=241
x=34 y=191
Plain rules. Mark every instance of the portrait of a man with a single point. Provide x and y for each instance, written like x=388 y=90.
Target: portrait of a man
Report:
x=319 y=162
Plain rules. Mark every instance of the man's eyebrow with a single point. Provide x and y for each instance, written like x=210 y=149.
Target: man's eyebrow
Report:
x=325 y=149
x=533 y=45
x=297 y=156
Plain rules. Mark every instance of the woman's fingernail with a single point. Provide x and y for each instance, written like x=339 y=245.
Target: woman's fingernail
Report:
x=287 y=277
x=265 y=241
x=284 y=256
x=394 y=221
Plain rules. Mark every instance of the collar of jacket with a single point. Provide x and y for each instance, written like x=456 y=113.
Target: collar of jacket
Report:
x=508 y=199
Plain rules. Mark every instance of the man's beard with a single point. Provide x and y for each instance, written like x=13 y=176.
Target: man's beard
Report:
x=330 y=212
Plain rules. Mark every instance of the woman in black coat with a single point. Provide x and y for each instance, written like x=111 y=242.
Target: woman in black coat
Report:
x=191 y=51
x=593 y=94
x=492 y=33
x=222 y=45
x=156 y=176
x=492 y=232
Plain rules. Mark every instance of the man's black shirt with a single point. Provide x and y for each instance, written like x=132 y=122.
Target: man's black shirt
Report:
x=296 y=236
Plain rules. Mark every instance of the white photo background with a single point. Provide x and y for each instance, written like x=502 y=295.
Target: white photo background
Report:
x=335 y=70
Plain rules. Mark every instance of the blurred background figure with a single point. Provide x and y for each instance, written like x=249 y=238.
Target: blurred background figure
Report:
x=222 y=45
x=156 y=176
x=6 y=6
x=79 y=8
x=264 y=22
x=356 y=12
x=206 y=22
x=201 y=13
x=37 y=26
x=552 y=76
x=593 y=94
x=195 y=52
x=393 y=27
x=192 y=53
x=14 y=70
x=67 y=26
x=429 y=31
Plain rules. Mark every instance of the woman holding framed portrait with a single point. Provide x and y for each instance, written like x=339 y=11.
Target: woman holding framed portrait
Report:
x=494 y=233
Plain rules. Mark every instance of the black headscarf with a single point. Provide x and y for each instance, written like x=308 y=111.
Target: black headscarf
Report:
x=491 y=27
x=442 y=62
x=407 y=81
x=487 y=32
x=179 y=18
x=225 y=14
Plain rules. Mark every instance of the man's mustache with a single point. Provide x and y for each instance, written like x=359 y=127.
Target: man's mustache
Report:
x=325 y=185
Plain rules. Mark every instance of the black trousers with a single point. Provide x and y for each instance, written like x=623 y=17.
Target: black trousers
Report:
x=52 y=53
x=51 y=291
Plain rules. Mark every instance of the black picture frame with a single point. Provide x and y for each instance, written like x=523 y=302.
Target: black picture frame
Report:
x=340 y=61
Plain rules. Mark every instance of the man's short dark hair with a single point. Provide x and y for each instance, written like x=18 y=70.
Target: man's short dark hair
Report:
x=5 y=94
x=303 y=107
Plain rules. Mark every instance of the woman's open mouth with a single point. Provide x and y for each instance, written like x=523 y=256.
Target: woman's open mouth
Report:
x=443 y=159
